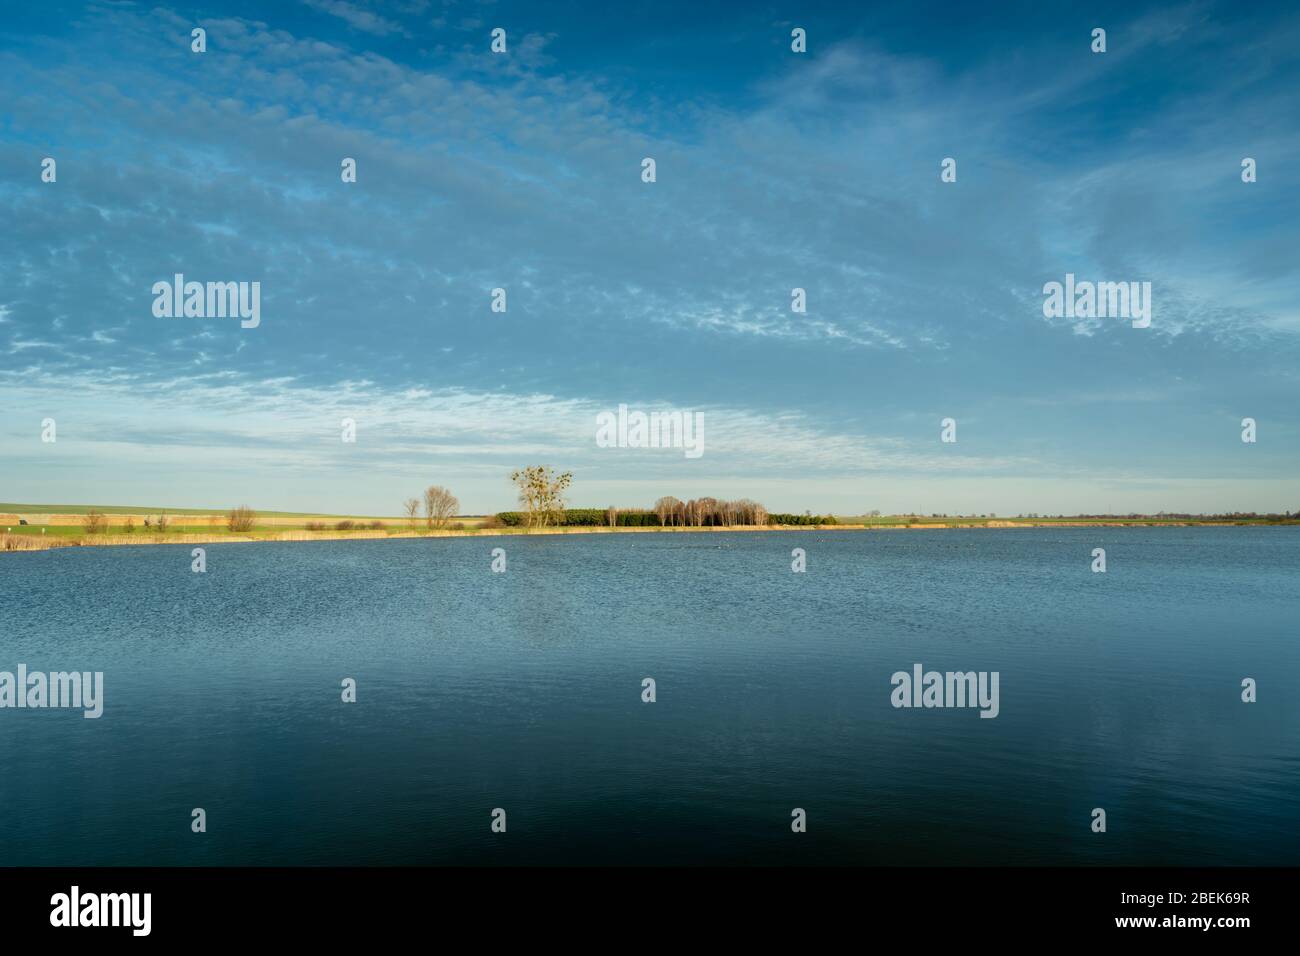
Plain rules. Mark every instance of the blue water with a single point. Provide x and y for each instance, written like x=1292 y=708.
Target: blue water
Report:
x=522 y=691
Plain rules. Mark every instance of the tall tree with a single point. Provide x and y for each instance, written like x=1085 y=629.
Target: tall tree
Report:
x=440 y=506
x=666 y=509
x=541 y=494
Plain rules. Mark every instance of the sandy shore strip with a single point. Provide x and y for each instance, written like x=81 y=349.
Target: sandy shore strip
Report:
x=39 y=542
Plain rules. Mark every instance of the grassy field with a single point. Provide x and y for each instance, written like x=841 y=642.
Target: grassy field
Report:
x=979 y=521
x=200 y=515
x=61 y=525
x=7 y=508
x=70 y=519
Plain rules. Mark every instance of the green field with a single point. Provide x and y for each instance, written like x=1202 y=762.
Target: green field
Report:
x=893 y=521
x=54 y=525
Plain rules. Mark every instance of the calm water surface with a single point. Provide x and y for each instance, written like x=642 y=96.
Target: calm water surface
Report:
x=523 y=691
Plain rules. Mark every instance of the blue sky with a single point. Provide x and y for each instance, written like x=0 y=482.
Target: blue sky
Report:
x=774 y=171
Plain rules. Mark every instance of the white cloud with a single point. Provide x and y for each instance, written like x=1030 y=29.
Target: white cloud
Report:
x=356 y=16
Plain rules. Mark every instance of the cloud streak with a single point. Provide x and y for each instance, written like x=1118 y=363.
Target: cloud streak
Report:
x=522 y=172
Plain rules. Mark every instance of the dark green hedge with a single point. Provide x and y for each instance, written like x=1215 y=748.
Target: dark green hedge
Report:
x=587 y=518
x=801 y=519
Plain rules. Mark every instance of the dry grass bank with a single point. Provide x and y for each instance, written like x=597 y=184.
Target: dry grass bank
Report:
x=38 y=542
x=43 y=542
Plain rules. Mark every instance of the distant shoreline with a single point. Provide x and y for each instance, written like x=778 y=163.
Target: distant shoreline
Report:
x=38 y=542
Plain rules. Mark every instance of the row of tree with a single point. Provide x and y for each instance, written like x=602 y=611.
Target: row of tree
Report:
x=708 y=512
x=697 y=515
x=541 y=500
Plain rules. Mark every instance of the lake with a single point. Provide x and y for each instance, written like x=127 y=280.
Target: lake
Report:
x=522 y=690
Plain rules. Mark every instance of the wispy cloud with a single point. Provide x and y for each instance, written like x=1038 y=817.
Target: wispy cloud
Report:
x=356 y=16
x=523 y=172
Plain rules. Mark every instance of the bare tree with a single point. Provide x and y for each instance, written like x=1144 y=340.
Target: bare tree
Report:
x=666 y=508
x=708 y=513
x=241 y=519
x=161 y=523
x=440 y=506
x=729 y=511
x=129 y=525
x=94 y=522
x=412 y=508
x=751 y=512
x=701 y=512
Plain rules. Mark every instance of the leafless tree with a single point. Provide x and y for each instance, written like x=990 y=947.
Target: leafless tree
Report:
x=693 y=513
x=729 y=510
x=666 y=508
x=751 y=512
x=240 y=519
x=412 y=508
x=440 y=506
x=708 y=511
x=94 y=522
